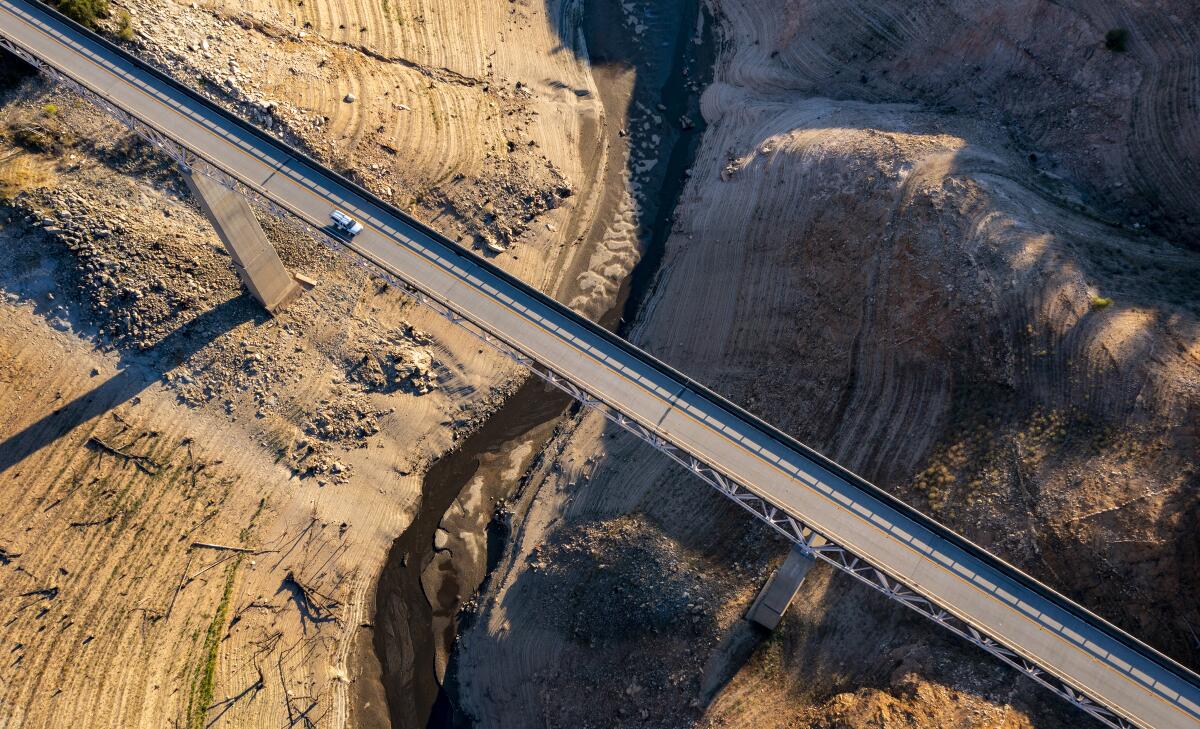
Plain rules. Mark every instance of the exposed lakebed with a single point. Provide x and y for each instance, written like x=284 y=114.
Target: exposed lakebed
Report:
x=650 y=90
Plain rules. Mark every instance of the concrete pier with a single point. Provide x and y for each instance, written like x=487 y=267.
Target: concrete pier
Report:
x=253 y=256
x=773 y=600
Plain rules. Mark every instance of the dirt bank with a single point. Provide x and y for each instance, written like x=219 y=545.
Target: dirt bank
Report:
x=927 y=293
x=439 y=563
x=323 y=419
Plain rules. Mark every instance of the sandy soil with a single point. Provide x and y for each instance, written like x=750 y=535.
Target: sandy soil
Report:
x=229 y=429
x=148 y=405
x=952 y=248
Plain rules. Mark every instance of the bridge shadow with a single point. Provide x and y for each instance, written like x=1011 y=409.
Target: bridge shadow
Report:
x=173 y=349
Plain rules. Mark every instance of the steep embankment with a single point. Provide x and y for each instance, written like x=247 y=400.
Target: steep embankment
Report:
x=1103 y=92
x=913 y=289
x=492 y=140
x=303 y=438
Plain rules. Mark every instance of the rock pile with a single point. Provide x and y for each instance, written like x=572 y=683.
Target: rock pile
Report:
x=344 y=419
x=195 y=45
x=135 y=290
x=506 y=200
x=398 y=362
x=637 y=612
x=636 y=582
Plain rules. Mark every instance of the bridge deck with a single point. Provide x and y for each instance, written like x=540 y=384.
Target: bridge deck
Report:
x=1080 y=649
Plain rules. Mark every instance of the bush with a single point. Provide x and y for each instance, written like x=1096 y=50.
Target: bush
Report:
x=84 y=12
x=1100 y=302
x=35 y=138
x=124 y=25
x=43 y=133
x=1117 y=40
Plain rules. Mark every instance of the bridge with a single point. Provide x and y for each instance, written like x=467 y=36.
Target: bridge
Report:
x=829 y=513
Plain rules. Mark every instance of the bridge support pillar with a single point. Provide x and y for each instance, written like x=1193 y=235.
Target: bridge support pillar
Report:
x=773 y=600
x=253 y=256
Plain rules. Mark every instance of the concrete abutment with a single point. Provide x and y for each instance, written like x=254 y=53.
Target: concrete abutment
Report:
x=773 y=600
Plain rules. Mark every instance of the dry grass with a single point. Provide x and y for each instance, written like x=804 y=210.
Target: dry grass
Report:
x=21 y=171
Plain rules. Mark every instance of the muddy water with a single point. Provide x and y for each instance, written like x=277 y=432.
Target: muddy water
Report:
x=423 y=586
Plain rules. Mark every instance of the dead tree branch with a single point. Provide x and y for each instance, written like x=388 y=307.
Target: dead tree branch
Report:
x=207 y=518
x=78 y=483
x=319 y=606
x=207 y=545
x=95 y=522
x=180 y=586
x=144 y=463
x=295 y=542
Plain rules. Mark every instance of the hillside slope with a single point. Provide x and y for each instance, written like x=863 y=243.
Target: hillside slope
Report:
x=148 y=404
x=932 y=292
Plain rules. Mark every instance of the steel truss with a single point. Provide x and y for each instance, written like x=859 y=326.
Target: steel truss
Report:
x=808 y=537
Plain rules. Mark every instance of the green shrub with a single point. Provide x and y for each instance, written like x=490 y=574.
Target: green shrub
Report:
x=124 y=25
x=1100 y=302
x=50 y=109
x=84 y=12
x=1117 y=40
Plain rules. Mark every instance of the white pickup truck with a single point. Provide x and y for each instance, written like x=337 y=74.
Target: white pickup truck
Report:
x=345 y=223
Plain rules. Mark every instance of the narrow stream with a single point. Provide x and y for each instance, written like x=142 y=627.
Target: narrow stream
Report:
x=417 y=699
x=417 y=626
